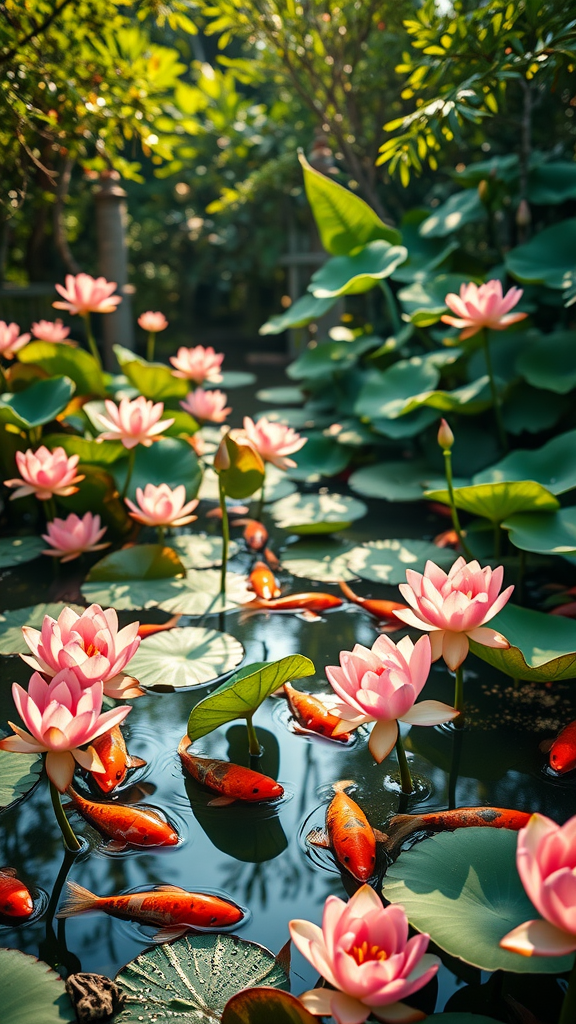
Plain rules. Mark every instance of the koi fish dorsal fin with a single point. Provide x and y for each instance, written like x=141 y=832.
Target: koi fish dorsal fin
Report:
x=318 y=837
x=10 y=872
x=168 y=888
x=343 y=785
x=78 y=901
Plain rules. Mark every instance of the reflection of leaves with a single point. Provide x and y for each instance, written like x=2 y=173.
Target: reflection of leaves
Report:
x=185 y=657
x=251 y=833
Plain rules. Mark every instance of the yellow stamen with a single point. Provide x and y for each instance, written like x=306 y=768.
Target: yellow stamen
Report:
x=365 y=952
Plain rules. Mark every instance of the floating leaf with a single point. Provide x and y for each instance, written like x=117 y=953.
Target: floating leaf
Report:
x=183 y=658
x=469 y=399
x=102 y=453
x=38 y=404
x=296 y=418
x=320 y=456
x=302 y=312
x=245 y=474
x=352 y=275
x=281 y=396
x=329 y=357
x=425 y=301
x=63 y=360
x=546 y=533
x=231 y=379
x=316 y=513
x=168 y=461
x=11 y=622
x=386 y=561
x=548 y=258
x=153 y=380
x=325 y=561
x=193 y=978
x=464 y=890
x=462 y=208
x=31 y=991
x=262 y=1005
x=243 y=694
x=199 y=551
x=553 y=465
x=543 y=647
x=141 y=562
x=387 y=394
x=19 y=773
x=199 y=593
x=497 y=501
x=17 y=550
x=550 y=362
x=394 y=481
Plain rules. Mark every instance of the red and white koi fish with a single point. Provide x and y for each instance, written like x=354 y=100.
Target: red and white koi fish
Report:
x=348 y=834
x=111 y=749
x=126 y=825
x=262 y=582
x=15 y=898
x=232 y=781
x=312 y=715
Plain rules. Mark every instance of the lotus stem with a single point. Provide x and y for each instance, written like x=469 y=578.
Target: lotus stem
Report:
x=150 y=345
x=260 y=505
x=459 y=696
x=160 y=531
x=70 y=841
x=453 y=510
x=405 y=776
x=129 y=471
x=91 y=340
x=568 y=1011
x=50 y=510
x=253 y=742
x=225 y=541
x=454 y=768
x=501 y=430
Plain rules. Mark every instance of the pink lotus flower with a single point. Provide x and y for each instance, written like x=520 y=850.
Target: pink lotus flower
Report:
x=197 y=364
x=62 y=716
x=85 y=294
x=363 y=951
x=381 y=685
x=152 y=322
x=162 y=506
x=546 y=862
x=454 y=607
x=273 y=441
x=44 y=473
x=90 y=644
x=50 y=330
x=133 y=422
x=484 y=306
x=11 y=341
x=207 y=406
x=72 y=536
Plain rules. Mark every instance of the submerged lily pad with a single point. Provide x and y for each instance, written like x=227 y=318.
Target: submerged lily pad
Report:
x=316 y=513
x=193 y=978
x=19 y=773
x=16 y=550
x=386 y=561
x=325 y=561
x=546 y=533
x=32 y=991
x=542 y=647
x=496 y=501
x=182 y=658
x=200 y=551
x=553 y=465
x=11 y=622
x=464 y=890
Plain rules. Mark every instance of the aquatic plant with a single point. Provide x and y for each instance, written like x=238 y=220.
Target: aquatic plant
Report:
x=74 y=536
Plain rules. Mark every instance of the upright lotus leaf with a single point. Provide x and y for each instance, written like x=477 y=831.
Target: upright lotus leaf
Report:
x=193 y=978
x=546 y=533
x=19 y=773
x=542 y=647
x=385 y=394
x=184 y=425
x=38 y=404
x=412 y=425
x=497 y=501
x=460 y=209
x=464 y=890
x=302 y=312
x=263 y=1005
x=424 y=254
x=330 y=357
x=245 y=474
x=184 y=658
x=548 y=258
x=553 y=465
x=153 y=380
x=352 y=275
x=553 y=183
x=11 y=622
x=320 y=456
x=532 y=409
x=344 y=221
x=169 y=460
x=141 y=562
x=17 y=550
x=424 y=301
x=63 y=360
x=386 y=561
x=469 y=399
x=32 y=993
x=550 y=362
x=316 y=513
x=99 y=453
x=243 y=694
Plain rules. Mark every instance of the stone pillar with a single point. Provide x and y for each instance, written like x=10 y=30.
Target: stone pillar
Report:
x=110 y=197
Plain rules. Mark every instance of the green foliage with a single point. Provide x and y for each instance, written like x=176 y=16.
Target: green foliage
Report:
x=38 y=404
x=256 y=1005
x=144 y=562
x=185 y=658
x=542 y=647
x=16 y=550
x=32 y=991
x=19 y=773
x=550 y=533
x=63 y=360
x=352 y=275
x=496 y=501
x=316 y=513
x=245 y=474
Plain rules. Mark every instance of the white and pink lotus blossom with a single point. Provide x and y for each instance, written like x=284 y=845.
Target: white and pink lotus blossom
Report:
x=90 y=644
x=71 y=537
x=273 y=441
x=381 y=685
x=84 y=294
x=198 y=364
x=546 y=862
x=45 y=473
x=477 y=307
x=207 y=406
x=152 y=322
x=11 y=341
x=364 y=952
x=162 y=506
x=133 y=422
x=50 y=330
x=62 y=717
x=455 y=607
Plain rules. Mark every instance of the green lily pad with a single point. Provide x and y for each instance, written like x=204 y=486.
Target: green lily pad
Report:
x=469 y=399
x=532 y=409
x=263 y=1005
x=386 y=561
x=424 y=254
x=168 y=461
x=38 y=404
x=552 y=183
x=184 y=425
x=385 y=394
x=543 y=647
x=32 y=991
x=153 y=380
x=302 y=312
x=395 y=481
x=245 y=474
x=243 y=694
x=548 y=258
x=11 y=622
x=193 y=978
x=352 y=275
x=19 y=773
x=63 y=360
x=497 y=501
x=281 y=396
x=231 y=379
x=296 y=418
x=464 y=890
x=184 y=658
x=141 y=562
x=199 y=593
x=17 y=550
x=320 y=456
x=553 y=465
x=316 y=513
x=329 y=357
x=200 y=551
x=425 y=301
x=325 y=561
x=461 y=208
x=101 y=453
x=550 y=362
x=412 y=425
x=546 y=533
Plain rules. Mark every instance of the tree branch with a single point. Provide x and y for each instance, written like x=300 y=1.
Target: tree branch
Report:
x=38 y=30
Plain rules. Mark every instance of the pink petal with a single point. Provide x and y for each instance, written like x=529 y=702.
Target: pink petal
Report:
x=382 y=739
x=538 y=938
x=488 y=637
x=60 y=768
x=454 y=649
x=429 y=712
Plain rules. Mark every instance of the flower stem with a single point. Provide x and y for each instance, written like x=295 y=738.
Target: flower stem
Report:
x=495 y=396
x=253 y=743
x=70 y=841
x=150 y=346
x=459 y=697
x=568 y=1011
x=50 y=509
x=129 y=471
x=405 y=776
x=160 y=531
x=225 y=539
x=453 y=510
x=497 y=540
x=91 y=340
x=260 y=505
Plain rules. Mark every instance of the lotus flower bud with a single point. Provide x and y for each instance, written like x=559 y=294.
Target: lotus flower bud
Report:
x=445 y=436
x=523 y=214
x=222 y=457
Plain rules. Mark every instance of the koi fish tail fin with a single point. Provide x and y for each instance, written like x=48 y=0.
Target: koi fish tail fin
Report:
x=78 y=901
x=343 y=785
x=348 y=592
x=185 y=742
x=400 y=827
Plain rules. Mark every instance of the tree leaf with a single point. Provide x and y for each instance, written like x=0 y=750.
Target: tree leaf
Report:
x=200 y=551
x=550 y=362
x=386 y=561
x=316 y=513
x=63 y=360
x=245 y=475
x=324 y=560
x=32 y=991
x=245 y=692
x=306 y=309
x=461 y=208
x=183 y=658
x=168 y=461
x=464 y=890
x=141 y=562
x=546 y=533
x=553 y=465
x=17 y=550
x=193 y=978
x=19 y=773
x=543 y=647
x=548 y=258
x=38 y=404
x=262 y=1005
x=352 y=275
x=497 y=501
x=11 y=622
x=153 y=380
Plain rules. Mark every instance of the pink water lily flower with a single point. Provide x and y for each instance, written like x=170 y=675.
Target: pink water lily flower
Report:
x=546 y=862
x=152 y=322
x=381 y=685
x=44 y=473
x=207 y=406
x=71 y=537
x=50 y=330
x=363 y=951
x=483 y=306
x=162 y=506
x=454 y=607
x=62 y=716
x=273 y=441
x=198 y=364
x=133 y=422
x=90 y=644
x=11 y=341
x=84 y=294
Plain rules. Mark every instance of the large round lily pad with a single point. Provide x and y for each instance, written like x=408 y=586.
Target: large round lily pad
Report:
x=316 y=513
x=31 y=991
x=542 y=647
x=497 y=501
x=386 y=561
x=11 y=638
x=196 y=594
x=553 y=465
x=281 y=396
x=322 y=560
x=464 y=890
x=395 y=481
x=19 y=773
x=16 y=550
x=546 y=533
x=200 y=551
x=182 y=658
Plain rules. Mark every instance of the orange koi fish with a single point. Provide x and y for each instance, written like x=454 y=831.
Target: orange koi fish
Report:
x=149 y=628
x=403 y=825
x=126 y=825
x=111 y=749
x=262 y=582
x=15 y=898
x=255 y=533
x=348 y=834
x=237 y=510
x=312 y=714
x=446 y=539
x=174 y=909
x=272 y=559
x=310 y=604
x=231 y=780
x=568 y=610
x=562 y=750
x=383 y=610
